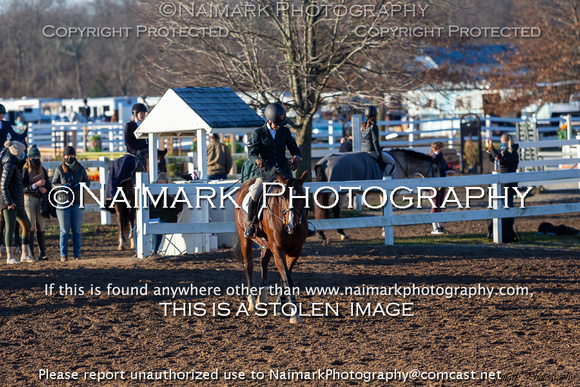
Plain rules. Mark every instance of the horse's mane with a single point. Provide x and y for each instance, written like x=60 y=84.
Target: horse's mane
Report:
x=412 y=153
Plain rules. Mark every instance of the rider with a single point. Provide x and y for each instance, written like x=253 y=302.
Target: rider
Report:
x=370 y=140
x=134 y=146
x=267 y=150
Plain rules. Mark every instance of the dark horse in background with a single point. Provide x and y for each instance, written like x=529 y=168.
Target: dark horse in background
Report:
x=360 y=166
x=281 y=232
x=123 y=175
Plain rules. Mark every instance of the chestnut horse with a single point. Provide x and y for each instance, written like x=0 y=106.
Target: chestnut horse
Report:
x=281 y=232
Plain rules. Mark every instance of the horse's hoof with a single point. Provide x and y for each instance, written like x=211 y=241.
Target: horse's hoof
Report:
x=132 y=244
x=295 y=319
x=263 y=298
x=344 y=237
x=251 y=303
x=120 y=248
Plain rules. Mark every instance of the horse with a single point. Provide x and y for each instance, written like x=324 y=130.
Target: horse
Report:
x=281 y=232
x=360 y=166
x=123 y=175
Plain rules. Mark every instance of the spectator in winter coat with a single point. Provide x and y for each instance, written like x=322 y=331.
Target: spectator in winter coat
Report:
x=69 y=175
x=36 y=185
x=12 y=200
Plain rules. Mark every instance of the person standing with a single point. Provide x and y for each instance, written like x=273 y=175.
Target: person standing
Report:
x=5 y=128
x=219 y=159
x=86 y=110
x=69 y=175
x=137 y=147
x=437 y=154
x=36 y=185
x=508 y=160
x=12 y=200
x=346 y=141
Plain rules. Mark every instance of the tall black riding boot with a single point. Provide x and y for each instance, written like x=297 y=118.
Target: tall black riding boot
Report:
x=252 y=212
x=41 y=246
x=32 y=244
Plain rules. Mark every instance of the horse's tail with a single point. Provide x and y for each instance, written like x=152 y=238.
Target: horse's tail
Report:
x=237 y=252
x=324 y=197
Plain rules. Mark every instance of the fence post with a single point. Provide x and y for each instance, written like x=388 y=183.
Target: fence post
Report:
x=411 y=134
x=103 y=177
x=143 y=241
x=191 y=162
x=355 y=123
x=569 y=126
x=487 y=126
x=450 y=134
x=388 y=215
x=497 y=229
x=330 y=135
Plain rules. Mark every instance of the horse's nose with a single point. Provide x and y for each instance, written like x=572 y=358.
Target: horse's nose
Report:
x=290 y=229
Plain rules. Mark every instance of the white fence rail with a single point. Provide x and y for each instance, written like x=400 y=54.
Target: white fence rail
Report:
x=387 y=220
x=58 y=135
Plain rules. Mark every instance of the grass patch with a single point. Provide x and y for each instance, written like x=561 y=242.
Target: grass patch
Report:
x=530 y=239
x=89 y=231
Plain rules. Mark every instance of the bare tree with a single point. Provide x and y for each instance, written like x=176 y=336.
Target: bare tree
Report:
x=291 y=52
x=545 y=68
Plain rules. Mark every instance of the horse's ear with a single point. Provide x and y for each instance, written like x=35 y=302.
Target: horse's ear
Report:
x=162 y=152
x=279 y=178
x=303 y=177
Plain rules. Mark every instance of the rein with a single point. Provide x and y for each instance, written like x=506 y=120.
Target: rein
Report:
x=284 y=212
x=430 y=170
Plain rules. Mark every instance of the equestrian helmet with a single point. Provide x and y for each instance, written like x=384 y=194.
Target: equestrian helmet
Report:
x=371 y=111
x=138 y=108
x=2 y=109
x=276 y=113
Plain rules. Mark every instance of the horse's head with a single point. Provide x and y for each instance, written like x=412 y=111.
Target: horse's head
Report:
x=292 y=202
x=433 y=169
x=161 y=164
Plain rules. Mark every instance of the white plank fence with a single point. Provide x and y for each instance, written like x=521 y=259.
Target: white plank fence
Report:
x=387 y=220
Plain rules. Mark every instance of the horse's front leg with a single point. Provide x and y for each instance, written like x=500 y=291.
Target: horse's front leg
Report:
x=132 y=217
x=246 y=246
x=120 y=235
x=287 y=283
x=265 y=260
x=336 y=213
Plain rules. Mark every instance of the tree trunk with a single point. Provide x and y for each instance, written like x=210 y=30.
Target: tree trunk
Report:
x=304 y=139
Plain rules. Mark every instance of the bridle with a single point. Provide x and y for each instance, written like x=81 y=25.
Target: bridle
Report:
x=299 y=213
x=405 y=168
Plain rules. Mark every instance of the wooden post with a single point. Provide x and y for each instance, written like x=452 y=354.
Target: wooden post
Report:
x=143 y=241
x=388 y=214
x=202 y=153
x=497 y=231
x=153 y=171
x=103 y=177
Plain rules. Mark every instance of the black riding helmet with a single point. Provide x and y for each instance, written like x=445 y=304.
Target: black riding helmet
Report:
x=371 y=111
x=138 y=108
x=2 y=109
x=276 y=113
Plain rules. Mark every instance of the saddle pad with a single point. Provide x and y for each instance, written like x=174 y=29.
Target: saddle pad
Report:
x=247 y=200
x=393 y=162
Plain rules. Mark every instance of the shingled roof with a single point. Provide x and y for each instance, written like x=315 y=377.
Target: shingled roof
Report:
x=183 y=111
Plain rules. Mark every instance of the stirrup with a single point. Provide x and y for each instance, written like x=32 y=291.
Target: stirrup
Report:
x=250 y=231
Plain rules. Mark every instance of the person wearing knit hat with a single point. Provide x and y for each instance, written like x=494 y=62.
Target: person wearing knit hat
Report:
x=12 y=201
x=36 y=202
x=69 y=151
x=70 y=174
